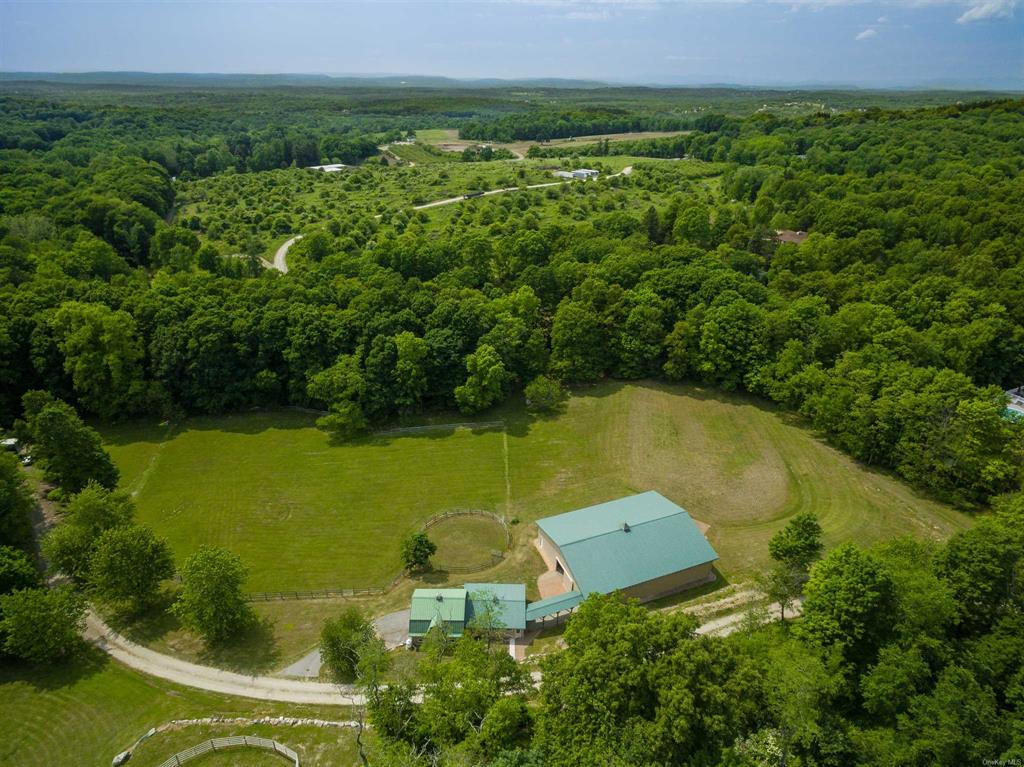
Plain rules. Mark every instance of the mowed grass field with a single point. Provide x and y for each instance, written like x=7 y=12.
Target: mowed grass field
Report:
x=304 y=514
x=301 y=513
x=466 y=541
x=85 y=713
x=731 y=460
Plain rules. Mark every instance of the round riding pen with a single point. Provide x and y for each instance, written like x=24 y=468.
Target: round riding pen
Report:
x=233 y=741
x=468 y=540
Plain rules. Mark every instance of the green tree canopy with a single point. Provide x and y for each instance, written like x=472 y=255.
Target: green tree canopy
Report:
x=211 y=602
x=71 y=453
x=41 y=625
x=417 y=549
x=342 y=639
x=128 y=565
x=17 y=571
x=15 y=504
x=798 y=544
x=849 y=605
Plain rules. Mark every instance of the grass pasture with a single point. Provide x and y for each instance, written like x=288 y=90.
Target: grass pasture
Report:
x=419 y=154
x=464 y=541
x=449 y=140
x=304 y=514
x=301 y=513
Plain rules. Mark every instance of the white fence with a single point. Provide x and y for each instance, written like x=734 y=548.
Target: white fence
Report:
x=232 y=741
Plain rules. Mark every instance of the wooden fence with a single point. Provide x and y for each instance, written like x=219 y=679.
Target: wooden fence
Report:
x=232 y=741
x=496 y=556
x=273 y=596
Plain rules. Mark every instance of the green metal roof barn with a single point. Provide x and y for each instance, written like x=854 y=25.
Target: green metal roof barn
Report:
x=620 y=544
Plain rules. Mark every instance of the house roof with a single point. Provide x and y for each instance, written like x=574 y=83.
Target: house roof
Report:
x=437 y=605
x=789 y=235
x=553 y=605
x=1015 y=399
x=627 y=541
x=507 y=599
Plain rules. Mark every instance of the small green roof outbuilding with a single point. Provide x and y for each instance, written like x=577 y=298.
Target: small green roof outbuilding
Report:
x=456 y=608
x=436 y=607
x=504 y=602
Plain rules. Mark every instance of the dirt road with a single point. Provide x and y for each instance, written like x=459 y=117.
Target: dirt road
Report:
x=213 y=679
x=281 y=256
x=286 y=690
x=280 y=262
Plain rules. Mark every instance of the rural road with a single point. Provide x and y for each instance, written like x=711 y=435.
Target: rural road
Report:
x=280 y=257
x=147 y=661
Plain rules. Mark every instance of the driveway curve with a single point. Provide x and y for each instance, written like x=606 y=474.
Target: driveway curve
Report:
x=147 y=661
x=280 y=262
x=213 y=679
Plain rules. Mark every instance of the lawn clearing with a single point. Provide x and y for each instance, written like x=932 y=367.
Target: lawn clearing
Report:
x=433 y=135
x=301 y=513
x=304 y=514
x=86 y=712
x=732 y=461
x=420 y=154
x=449 y=140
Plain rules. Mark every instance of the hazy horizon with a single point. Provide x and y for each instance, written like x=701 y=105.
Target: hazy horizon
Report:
x=848 y=43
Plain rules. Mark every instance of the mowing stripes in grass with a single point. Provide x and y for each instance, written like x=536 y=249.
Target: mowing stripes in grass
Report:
x=304 y=514
x=301 y=513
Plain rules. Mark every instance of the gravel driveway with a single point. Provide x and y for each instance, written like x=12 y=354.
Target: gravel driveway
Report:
x=393 y=628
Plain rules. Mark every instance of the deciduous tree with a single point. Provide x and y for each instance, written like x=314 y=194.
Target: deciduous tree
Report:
x=417 y=549
x=342 y=639
x=16 y=570
x=128 y=565
x=211 y=602
x=41 y=625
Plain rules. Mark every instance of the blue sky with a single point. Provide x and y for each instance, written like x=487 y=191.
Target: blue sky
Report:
x=856 y=42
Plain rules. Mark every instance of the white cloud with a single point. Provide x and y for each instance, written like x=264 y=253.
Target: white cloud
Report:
x=987 y=9
x=866 y=34
x=972 y=10
x=591 y=15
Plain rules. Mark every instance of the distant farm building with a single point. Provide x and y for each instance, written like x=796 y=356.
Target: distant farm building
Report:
x=1015 y=406
x=584 y=174
x=643 y=545
x=499 y=606
x=334 y=167
x=789 y=235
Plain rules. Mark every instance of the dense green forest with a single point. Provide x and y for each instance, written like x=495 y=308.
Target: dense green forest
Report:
x=894 y=328
x=131 y=228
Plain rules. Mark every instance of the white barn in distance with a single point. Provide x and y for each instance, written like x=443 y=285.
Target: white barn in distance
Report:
x=583 y=174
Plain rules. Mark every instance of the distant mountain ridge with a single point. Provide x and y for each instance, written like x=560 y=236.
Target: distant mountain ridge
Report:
x=192 y=79
x=185 y=80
